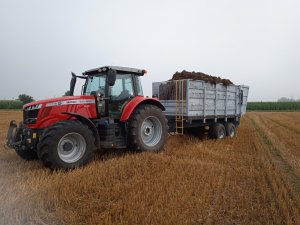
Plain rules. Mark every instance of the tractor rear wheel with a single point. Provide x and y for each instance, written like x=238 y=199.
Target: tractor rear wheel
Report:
x=66 y=145
x=148 y=129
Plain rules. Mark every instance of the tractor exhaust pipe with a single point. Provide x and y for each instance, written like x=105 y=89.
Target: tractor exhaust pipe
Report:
x=72 y=83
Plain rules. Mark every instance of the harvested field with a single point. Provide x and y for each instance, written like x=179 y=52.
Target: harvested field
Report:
x=283 y=130
x=252 y=179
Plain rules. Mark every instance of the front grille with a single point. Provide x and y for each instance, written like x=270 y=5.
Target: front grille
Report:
x=29 y=116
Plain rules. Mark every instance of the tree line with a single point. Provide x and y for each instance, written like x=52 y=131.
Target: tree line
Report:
x=16 y=104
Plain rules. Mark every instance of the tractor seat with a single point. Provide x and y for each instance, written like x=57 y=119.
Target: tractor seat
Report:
x=123 y=95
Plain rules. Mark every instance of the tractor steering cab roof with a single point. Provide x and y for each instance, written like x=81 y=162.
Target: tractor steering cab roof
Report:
x=119 y=69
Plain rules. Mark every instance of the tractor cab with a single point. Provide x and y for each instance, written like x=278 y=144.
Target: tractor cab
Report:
x=114 y=87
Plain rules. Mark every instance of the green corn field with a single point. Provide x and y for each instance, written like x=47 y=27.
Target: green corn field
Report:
x=11 y=104
x=273 y=106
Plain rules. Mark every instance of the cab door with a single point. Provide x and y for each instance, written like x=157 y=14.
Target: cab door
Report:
x=120 y=94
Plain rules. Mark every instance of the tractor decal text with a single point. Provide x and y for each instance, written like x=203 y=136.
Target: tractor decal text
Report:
x=71 y=102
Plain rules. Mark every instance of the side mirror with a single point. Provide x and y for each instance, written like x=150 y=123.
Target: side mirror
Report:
x=111 y=77
x=72 y=84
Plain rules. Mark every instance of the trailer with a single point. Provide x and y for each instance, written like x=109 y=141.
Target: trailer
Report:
x=196 y=106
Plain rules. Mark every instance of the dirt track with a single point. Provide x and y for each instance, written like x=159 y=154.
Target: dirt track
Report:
x=233 y=181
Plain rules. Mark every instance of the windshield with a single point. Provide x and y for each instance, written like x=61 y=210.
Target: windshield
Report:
x=96 y=84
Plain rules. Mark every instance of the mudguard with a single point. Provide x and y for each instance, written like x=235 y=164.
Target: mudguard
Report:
x=135 y=102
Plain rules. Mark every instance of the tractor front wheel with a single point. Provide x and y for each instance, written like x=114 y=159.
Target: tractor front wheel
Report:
x=26 y=154
x=148 y=129
x=66 y=145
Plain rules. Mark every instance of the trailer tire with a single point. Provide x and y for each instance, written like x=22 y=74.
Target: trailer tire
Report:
x=217 y=131
x=66 y=145
x=230 y=130
x=147 y=129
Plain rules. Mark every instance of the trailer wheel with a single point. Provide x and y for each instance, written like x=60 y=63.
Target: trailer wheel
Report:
x=148 y=129
x=66 y=145
x=217 y=131
x=230 y=130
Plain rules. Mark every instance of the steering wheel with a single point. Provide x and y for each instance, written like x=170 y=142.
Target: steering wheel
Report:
x=101 y=91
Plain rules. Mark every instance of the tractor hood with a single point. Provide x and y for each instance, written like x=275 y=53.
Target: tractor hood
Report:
x=66 y=100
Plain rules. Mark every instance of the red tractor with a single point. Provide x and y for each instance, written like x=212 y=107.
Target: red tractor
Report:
x=111 y=112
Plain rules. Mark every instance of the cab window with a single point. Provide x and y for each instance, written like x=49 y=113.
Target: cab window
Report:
x=123 y=88
x=97 y=84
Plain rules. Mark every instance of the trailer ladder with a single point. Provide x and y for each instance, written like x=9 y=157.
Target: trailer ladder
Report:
x=179 y=117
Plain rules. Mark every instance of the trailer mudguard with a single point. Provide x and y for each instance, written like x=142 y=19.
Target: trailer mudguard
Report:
x=135 y=102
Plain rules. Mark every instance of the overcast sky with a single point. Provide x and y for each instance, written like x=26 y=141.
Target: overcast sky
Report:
x=256 y=43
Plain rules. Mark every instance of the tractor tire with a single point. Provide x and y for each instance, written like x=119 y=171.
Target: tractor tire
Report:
x=217 y=131
x=25 y=153
x=230 y=130
x=147 y=129
x=66 y=145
